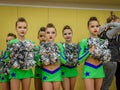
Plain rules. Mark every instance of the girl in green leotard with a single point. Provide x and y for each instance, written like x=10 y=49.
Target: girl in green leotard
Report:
x=4 y=79
x=38 y=69
x=69 y=70
x=21 y=58
x=93 y=72
x=49 y=51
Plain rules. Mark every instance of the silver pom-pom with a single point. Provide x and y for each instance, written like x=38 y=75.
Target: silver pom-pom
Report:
x=4 y=66
x=71 y=53
x=101 y=51
x=49 y=52
x=22 y=55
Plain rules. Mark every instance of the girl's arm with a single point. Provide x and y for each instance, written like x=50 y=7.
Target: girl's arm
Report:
x=83 y=51
x=110 y=33
x=7 y=55
x=115 y=29
x=37 y=55
x=37 y=59
x=113 y=24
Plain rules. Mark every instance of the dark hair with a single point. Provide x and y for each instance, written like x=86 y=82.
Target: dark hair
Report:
x=112 y=17
x=21 y=19
x=66 y=27
x=41 y=29
x=92 y=19
x=11 y=34
x=50 y=25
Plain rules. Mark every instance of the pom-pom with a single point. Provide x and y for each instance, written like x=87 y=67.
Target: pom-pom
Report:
x=22 y=55
x=4 y=67
x=49 y=52
x=71 y=53
x=101 y=51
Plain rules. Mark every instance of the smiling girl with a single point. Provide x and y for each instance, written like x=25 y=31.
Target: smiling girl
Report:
x=21 y=57
x=70 y=54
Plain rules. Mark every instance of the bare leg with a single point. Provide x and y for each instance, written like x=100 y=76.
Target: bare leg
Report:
x=38 y=84
x=5 y=85
x=72 y=83
x=47 y=86
x=26 y=84
x=89 y=84
x=98 y=83
x=56 y=85
x=66 y=84
x=15 y=84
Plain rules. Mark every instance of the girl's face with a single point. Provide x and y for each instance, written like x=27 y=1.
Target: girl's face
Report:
x=21 y=28
x=93 y=28
x=50 y=34
x=67 y=34
x=9 y=38
x=41 y=36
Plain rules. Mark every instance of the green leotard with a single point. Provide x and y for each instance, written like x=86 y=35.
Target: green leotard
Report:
x=62 y=56
x=3 y=77
x=51 y=76
x=89 y=70
x=38 y=68
x=20 y=74
x=38 y=72
x=47 y=75
x=67 y=71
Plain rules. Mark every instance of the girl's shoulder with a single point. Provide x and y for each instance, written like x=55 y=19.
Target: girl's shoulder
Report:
x=83 y=40
x=59 y=44
x=83 y=43
x=37 y=46
x=13 y=41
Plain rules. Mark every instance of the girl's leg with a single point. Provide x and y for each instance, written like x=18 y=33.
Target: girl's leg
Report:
x=56 y=85
x=38 y=84
x=72 y=83
x=26 y=84
x=66 y=84
x=47 y=86
x=5 y=85
x=14 y=84
x=98 y=83
x=89 y=84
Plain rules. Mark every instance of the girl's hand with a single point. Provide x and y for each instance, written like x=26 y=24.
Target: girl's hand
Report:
x=106 y=27
x=92 y=49
x=44 y=53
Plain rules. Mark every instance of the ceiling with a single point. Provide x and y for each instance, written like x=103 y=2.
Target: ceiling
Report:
x=85 y=4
